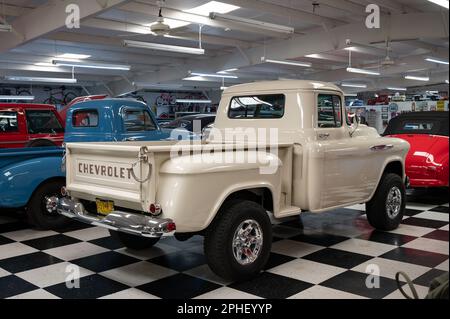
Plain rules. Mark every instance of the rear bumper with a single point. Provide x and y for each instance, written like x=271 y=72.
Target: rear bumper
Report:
x=135 y=224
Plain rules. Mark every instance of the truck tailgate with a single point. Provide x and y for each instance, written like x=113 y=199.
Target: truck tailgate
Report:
x=111 y=172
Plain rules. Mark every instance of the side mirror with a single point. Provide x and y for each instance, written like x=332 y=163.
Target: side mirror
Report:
x=356 y=121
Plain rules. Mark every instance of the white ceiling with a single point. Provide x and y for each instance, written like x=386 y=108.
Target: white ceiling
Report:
x=417 y=29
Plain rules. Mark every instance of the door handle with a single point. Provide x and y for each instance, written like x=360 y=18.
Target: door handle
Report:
x=383 y=147
x=323 y=135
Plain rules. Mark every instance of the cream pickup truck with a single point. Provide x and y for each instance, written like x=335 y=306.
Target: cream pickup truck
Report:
x=277 y=148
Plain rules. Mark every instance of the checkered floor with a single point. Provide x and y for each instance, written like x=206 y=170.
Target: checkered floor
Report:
x=316 y=256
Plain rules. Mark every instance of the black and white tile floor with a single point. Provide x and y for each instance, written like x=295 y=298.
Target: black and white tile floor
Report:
x=316 y=256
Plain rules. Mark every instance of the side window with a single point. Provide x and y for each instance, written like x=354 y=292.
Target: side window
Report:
x=269 y=106
x=329 y=111
x=85 y=118
x=138 y=121
x=8 y=122
x=43 y=122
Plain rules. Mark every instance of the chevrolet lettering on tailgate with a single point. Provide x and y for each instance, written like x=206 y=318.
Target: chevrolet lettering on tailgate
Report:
x=113 y=170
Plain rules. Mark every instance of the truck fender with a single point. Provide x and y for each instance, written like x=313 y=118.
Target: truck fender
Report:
x=18 y=181
x=233 y=190
x=389 y=162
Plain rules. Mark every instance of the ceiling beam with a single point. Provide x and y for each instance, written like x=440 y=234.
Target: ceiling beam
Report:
x=139 y=29
x=33 y=24
x=391 y=6
x=286 y=12
x=400 y=27
x=152 y=11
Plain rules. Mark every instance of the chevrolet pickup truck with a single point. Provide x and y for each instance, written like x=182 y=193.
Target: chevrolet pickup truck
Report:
x=278 y=148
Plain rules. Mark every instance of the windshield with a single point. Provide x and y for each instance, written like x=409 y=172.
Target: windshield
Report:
x=43 y=122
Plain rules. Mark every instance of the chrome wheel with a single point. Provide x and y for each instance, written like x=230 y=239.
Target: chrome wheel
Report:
x=51 y=203
x=247 y=242
x=394 y=202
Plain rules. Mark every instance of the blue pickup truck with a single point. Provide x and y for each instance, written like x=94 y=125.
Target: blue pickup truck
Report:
x=33 y=177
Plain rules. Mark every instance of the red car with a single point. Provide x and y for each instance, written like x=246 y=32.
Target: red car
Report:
x=30 y=125
x=427 y=133
x=379 y=100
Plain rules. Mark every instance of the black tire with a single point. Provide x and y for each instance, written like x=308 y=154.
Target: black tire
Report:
x=40 y=143
x=37 y=213
x=133 y=241
x=218 y=244
x=378 y=214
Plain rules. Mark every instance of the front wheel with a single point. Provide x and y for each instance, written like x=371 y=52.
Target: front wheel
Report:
x=133 y=241
x=237 y=245
x=385 y=210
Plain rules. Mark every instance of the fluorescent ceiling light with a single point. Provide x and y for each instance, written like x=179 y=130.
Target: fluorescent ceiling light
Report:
x=313 y=56
x=89 y=65
x=397 y=89
x=252 y=23
x=46 y=64
x=436 y=61
x=162 y=47
x=5 y=28
x=228 y=70
x=418 y=78
x=194 y=101
x=225 y=76
x=36 y=79
x=16 y=98
x=303 y=64
x=157 y=85
x=362 y=71
x=442 y=3
x=224 y=87
x=73 y=56
x=173 y=24
x=354 y=85
x=213 y=6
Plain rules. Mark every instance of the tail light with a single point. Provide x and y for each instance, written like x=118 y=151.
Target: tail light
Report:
x=155 y=209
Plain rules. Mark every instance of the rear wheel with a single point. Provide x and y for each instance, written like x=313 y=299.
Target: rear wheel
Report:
x=385 y=210
x=133 y=241
x=41 y=208
x=237 y=245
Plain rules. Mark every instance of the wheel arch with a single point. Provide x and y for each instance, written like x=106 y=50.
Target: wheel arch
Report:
x=394 y=166
x=44 y=182
x=262 y=195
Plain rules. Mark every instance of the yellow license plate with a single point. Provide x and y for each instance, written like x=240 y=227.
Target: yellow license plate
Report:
x=104 y=207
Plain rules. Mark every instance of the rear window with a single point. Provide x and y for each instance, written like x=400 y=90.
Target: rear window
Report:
x=8 y=122
x=270 y=106
x=85 y=118
x=417 y=126
x=43 y=122
x=138 y=121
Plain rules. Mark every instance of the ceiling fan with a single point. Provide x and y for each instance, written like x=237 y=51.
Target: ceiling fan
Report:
x=159 y=28
x=387 y=62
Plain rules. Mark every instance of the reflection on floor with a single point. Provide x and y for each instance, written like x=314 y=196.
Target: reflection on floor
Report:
x=317 y=256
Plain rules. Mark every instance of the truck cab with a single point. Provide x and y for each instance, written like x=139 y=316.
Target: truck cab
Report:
x=111 y=120
x=30 y=125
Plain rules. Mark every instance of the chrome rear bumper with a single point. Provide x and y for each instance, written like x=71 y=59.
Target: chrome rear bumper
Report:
x=136 y=224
